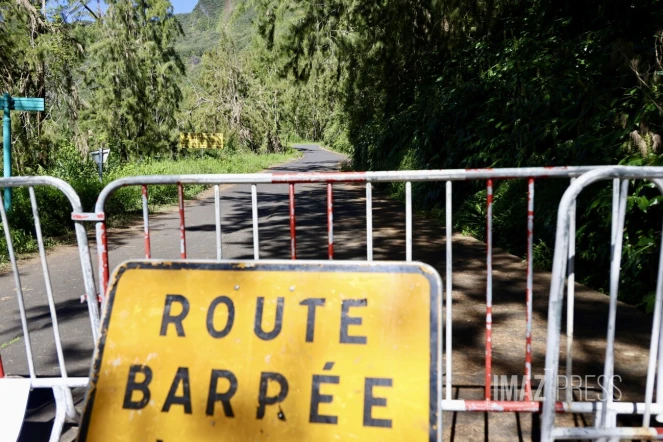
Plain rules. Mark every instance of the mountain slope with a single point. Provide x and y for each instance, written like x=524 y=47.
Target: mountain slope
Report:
x=200 y=27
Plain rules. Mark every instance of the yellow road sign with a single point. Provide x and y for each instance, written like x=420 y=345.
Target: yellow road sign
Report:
x=275 y=350
x=192 y=140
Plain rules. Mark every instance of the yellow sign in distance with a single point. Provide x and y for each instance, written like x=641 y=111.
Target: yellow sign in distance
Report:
x=201 y=140
x=270 y=350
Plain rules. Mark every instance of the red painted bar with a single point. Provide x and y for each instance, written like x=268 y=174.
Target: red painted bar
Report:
x=330 y=220
x=180 y=197
x=293 y=230
x=87 y=216
x=507 y=406
x=104 y=260
x=528 y=295
x=146 y=226
x=503 y=406
x=489 y=286
x=2 y=369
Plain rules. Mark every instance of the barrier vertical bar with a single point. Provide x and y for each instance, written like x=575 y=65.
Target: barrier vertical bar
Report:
x=369 y=222
x=659 y=371
x=217 y=221
x=146 y=225
x=180 y=197
x=19 y=289
x=68 y=399
x=102 y=255
x=293 y=225
x=528 y=295
x=570 y=302
x=102 y=258
x=654 y=344
x=330 y=220
x=659 y=326
x=408 y=221
x=47 y=283
x=489 y=286
x=608 y=419
x=2 y=369
x=449 y=316
x=601 y=417
x=254 y=215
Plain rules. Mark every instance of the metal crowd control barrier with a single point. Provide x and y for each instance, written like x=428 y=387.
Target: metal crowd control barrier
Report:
x=562 y=271
x=330 y=179
x=605 y=426
x=62 y=384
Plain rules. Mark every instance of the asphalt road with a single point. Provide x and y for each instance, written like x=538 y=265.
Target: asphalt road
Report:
x=237 y=239
x=349 y=238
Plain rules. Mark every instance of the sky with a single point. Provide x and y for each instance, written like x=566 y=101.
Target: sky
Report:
x=180 y=6
x=183 y=5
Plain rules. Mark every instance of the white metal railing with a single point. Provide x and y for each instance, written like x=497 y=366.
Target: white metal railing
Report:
x=563 y=275
x=490 y=176
x=605 y=425
x=62 y=384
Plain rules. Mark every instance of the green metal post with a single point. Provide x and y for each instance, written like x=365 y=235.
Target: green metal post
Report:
x=7 y=147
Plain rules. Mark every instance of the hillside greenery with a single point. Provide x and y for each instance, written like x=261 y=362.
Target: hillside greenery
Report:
x=397 y=84
x=199 y=28
x=466 y=84
x=111 y=78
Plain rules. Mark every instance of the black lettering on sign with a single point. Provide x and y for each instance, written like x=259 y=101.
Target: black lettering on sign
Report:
x=263 y=399
x=312 y=303
x=317 y=398
x=257 y=327
x=210 y=317
x=177 y=319
x=213 y=396
x=142 y=386
x=182 y=376
x=347 y=320
x=370 y=401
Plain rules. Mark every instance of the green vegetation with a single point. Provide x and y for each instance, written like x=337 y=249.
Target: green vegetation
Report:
x=466 y=84
x=114 y=79
x=199 y=28
x=238 y=85
x=397 y=85
x=133 y=75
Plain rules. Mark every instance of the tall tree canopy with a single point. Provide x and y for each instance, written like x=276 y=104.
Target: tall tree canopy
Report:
x=461 y=83
x=109 y=78
x=398 y=84
x=133 y=77
x=40 y=56
x=466 y=83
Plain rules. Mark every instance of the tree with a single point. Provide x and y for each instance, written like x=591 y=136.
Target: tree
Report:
x=40 y=57
x=133 y=74
x=502 y=83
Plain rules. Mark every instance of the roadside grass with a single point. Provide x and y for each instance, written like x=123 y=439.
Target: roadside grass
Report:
x=125 y=204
